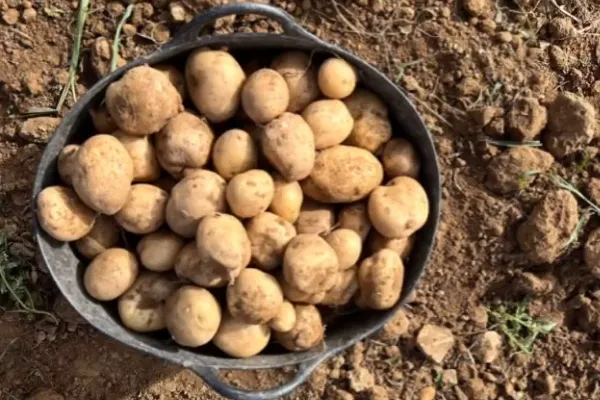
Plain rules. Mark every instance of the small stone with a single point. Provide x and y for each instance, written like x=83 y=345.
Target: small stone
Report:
x=394 y=329
x=29 y=15
x=561 y=28
x=504 y=37
x=435 y=342
x=427 y=393
x=479 y=317
x=10 y=16
x=526 y=119
x=360 y=379
x=477 y=8
x=378 y=393
x=505 y=171
x=45 y=394
x=177 y=12
x=129 y=30
x=449 y=377
x=488 y=347
x=39 y=130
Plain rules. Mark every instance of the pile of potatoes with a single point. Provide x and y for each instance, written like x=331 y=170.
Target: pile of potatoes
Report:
x=258 y=194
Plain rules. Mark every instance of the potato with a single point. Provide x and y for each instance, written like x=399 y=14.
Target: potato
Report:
x=142 y=101
x=189 y=265
x=234 y=152
x=289 y=145
x=346 y=286
x=103 y=174
x=104 y=234
x=144 y=211
x=214 y=80
x=308 y=262
x=343 y=174
x=347 y=244
x=192 y=316
x=300 y=77
x=287 y=199
x=142 y=307
x=185 y=142
x=143 y=155
x=175 y=76
x=315 y=218
x=402 y=246
x=192 y=198
x=269 y=234
x=103 y=122
x=254 y=297
x=356 y=218
x=250 y=193
x=363 y=101
x=337 y=78
x=330 y=122
x=400 y=159
x=158 y=251
x=308 y=331
x=66 y=163
x=265 y=96
x=380 y=278
x=241 y=339
x=62 y=215
x=285 y=319
x=298 y=296
x=400 y=208
x=372 y=127
x=110 y=274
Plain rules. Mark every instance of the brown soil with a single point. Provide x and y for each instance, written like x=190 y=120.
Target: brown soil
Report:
x=475 y=69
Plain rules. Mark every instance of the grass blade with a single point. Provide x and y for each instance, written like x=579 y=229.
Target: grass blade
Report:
x=117 y=40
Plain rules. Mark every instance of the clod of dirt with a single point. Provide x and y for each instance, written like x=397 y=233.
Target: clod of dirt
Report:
x=478 y=8
x=449 y=377
x=114 y=9
x=10 y=16
x=571 y=124
x=588 y=315
x=483 y=116
x=46 y=394
x=159 y=32
x=593 y=190
x=34 y=82
x=476 y=389
x=378 y=393
x=340 y=394
x=526 y=283
x=561 y=28
x=101 y=57
x=504 y=37
x=29 y=15
x=479 y=316
x=558 y=58
x=505 y=171
x=591 y=251
x=469 y=87
x=360 y=379
x=495 y=128
x=435 y=342
x=129 y=30
x=397 y=327
x=427 y=393
x=489 y=345
x=526 y=119
x=39 y=130
x=544 y=235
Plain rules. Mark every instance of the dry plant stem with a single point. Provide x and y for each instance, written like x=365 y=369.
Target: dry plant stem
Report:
x=7 y=348
x=564 y=12
x=117 y=40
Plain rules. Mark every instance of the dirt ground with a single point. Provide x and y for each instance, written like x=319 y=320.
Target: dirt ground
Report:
x=484 y=74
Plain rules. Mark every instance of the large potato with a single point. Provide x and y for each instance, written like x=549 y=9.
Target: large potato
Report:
x=184 y=142
x=269 y=234
x=234 y=152
x=330 y=122
x=62 y=215
x=309 y=263
x=289 y=145
x=104 y=234
x=346 y=286
x=402 y=246
x=287 y=199
x=143 y=155
x=144 y=211
x=343 y=174
x=192 y=198
x=380 y=278
x=142 y=101
x=214 y=80
x=265 y=96
x=158 y=251
x=254 y=297
x=347 y=244
x=298 y=296
x=400 y=208
x=308 y=331
x=192 y=316
x=355 y=217
x=401 y=159
x=110 y=274
x=315 y=218
x=189 y=265
x=241 y=339
x=300 y=76
x=175 y=76
x=103 y=175
x=337 y=78
x=67 y=163
x=250 y=193
x=372 y=127
x=285 y=319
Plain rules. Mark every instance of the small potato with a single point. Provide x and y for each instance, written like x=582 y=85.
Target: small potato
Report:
x=285 y=319
x=142 y=101
x=214 y=80
x=175 y=76
x=308 y=262
x=315 y=218
x=363 y=101
x=343 y=291
x=250 y=193
x=402 y=246
x=143 y=155
x=241 y=339
x=370 y=132
x=298 y=296
x=400 y=208
x=110 y=274
x=189 y=265
x=300 y=76
x=330 y=122
x=234 y=153
x=355 y=217
x=158 y=251
x=62 y=215
x=192 y=316
x=269 y=235
x=343 y=174
x=142 y=307
x=254 y=297
x=104 y=234
x=192 y=198
x=337 y=78
x=265 y=96
x=103 y=174
x=308 y=331
x=184 y=142
x=347 y=244
x=380 y=278
x=144 y=211
x=289 y=145
x=401 y=159
x=66 y=163
x=103 y=122
x=287 y=199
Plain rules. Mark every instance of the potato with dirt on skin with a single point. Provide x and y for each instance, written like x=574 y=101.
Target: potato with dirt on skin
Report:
x=265 y=96
x=110 y=274
x=337 y=78
x=144 y=211
x=175 y=76
x=315 y=218
x=300 y=76
x=66 y=163
x=189 y=265
x=298 y=296
x=241 y=339
x=380 y=278
x=250 y=193
x=285 y=319
x=103 y=122
x=308 y=331
x=287 y=199
x=214 y=80
x=269 y=234
x=346 y=286
x=104 y=234
x=192 y=316
x=347 y=244
x=142 y=307
x=184 y=142
x=402 y=246
x=142 y=101
x=158 y=250
x=400 y=208
x=400 y=159
x=62 y=215
x=103 y=174
x=254 y=297
x=355 y=217
x=363 y=101
x=372 y=126
x=234 y=153
x=143 y=155
x=330 y=121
